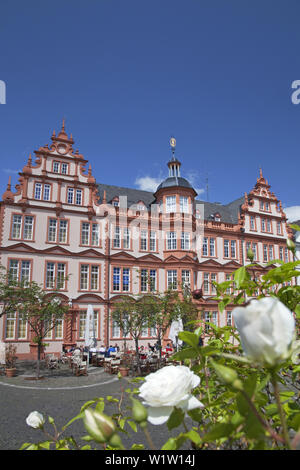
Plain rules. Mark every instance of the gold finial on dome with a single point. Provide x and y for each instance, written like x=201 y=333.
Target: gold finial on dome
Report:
x=173 y=143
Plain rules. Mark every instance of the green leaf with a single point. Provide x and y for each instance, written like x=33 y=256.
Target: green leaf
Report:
x=133 y=425
x=175 y=419
x=137 y=447
x=240 y=276
x=253 y=427
x=170 y=444
x=186 y=353
x=193 y=436
x=189 y=338
x=218 y=431
x=79 y=416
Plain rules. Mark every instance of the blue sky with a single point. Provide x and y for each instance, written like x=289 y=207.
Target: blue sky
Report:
x=127 y=75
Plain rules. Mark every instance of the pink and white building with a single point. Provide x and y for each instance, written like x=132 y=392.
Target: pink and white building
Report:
x=109 y=241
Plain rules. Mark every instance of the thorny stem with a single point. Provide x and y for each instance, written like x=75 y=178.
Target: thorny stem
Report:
x=148 y=437
x=264 y=424
x=281 y=412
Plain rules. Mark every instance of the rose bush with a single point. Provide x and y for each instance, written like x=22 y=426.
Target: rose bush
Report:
x=167 y=388
x=267 y=329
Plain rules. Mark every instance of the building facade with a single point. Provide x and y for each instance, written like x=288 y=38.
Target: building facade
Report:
x=98 y=242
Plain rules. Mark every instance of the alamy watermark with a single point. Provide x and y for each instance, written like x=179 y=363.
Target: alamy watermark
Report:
x=2 y=92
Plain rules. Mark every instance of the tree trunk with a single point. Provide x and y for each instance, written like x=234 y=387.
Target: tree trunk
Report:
x=137 y=356
x=38 y=361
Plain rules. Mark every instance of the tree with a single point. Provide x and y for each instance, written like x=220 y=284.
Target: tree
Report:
x=41 y=309
x=132 y=316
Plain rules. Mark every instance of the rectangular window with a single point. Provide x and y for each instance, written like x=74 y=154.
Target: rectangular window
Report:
x=212 y=247
x=233 y=248
x=185 y=241
x=254 y=249
x=38 y=191
x=205 y=247
x=172 y=279
x=144 y=240
x=271 y=255
x=22 y=328
x=25 y=271
x=152 y=279
x=63 y=230
x=279 y=231
x=206 y=283
x=228 y=319
x=286 y=255
x=263 y=225
x=171 y=204
x=152 y=246
x=206 y=320
x=269 y=226
x=116 y=240
x=47 y=188
x=84 y=277
x=56 y=167
x=226 y=248
x=58 y=330
x=61 y=274
x=85 y=233
x=16 y=226
x=116 y=279
x=95 y=235
x=126 y=238
x=186 y=278
x=28 y=227
x=52 y=230
x=126 y=279
x=78 y=197
x=116 y=331
x=184 y=204
x=265 y=253
x=14 y=270
x=64 y=168
x=214 y=318
x=10 y=325
x=70 y=195
x=213 y=278
x=252 y=222
x=281 y=253
x=50 y=275
x=171 y=241
x=94 y=277
x=144 y=280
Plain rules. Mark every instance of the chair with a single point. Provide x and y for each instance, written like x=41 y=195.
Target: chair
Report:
x=114 y=366
x=99 y=360
x=107 y=364
x=81 y=368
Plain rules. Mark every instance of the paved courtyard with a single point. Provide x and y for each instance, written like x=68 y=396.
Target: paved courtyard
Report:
x=60 y=395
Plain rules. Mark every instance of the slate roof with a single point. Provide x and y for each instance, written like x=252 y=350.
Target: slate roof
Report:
x=228 y=212
x=174 y=181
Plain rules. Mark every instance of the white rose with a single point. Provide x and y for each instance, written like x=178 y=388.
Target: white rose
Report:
x=35 y=420
x=266 y=328
x=169 y=387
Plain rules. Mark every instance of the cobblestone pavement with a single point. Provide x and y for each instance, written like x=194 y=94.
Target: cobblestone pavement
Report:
x=60 y=395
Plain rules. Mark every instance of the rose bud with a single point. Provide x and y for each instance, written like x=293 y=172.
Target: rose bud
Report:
x=98 y=425
x=197 y=294
x=139 y=412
